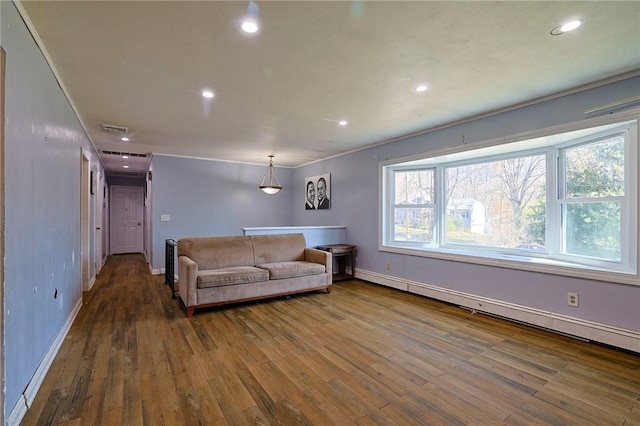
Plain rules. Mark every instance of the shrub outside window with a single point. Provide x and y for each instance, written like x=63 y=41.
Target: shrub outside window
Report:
x=592 y=199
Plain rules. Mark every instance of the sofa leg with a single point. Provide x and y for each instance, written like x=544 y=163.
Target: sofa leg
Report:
x=329 y=290
x=190 y=311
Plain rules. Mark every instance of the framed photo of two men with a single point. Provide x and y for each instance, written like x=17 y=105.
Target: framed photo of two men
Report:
x=317 y=192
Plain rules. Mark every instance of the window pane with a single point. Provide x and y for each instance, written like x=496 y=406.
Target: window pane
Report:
x=413 y=224
x=593 y=229
x=596 y=170
x=497 y=204
x=413 y=187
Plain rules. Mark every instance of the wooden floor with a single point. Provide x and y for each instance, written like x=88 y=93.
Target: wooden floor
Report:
x=364 y=354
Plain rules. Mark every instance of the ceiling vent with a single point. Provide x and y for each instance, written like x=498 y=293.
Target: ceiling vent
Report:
x=130 y=154
x=115 y=129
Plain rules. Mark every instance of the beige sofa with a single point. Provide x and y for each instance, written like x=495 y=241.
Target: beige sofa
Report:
x=214 y=271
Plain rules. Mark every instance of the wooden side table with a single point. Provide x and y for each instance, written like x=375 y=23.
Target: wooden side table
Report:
x=342 y=252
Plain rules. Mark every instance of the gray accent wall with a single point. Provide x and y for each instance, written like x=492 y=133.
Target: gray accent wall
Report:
x=210 y=198
x=43 y=148
x=355 y=193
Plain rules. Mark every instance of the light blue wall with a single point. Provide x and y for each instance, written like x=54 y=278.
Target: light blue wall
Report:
x=209 y=198
x=42 y=180
x=216 y=198
x=354 y=202
x=43 y=143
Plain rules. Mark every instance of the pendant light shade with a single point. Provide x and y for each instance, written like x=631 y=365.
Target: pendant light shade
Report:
x=270 y=182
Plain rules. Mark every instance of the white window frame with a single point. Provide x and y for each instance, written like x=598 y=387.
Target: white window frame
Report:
x=550 y=142
x=392 y=206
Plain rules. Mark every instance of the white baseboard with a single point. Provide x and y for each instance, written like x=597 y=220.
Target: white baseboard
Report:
x=614 y=336
x=161 y=272
x=29 y=394
x=92 y=281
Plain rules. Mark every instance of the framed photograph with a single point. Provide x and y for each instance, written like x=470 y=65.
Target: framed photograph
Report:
x=317 y=192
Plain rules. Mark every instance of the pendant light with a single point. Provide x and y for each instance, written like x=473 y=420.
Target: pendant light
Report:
x=270 y=182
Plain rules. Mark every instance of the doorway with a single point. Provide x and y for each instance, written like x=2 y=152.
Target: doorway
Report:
x=126 y=219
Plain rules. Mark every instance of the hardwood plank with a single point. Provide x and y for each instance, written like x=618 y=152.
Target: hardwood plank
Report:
x=328 y=407
x=313 y=413
x=254 y=416
x=92 y=409
x=473 y=400
x=272 y=410
x=364 y=354
x=445 y=410
x=367 y=388
x=303 y=377
x=151 y=412
x=580 y=410
x=198 y=406
x=230 y=399
x=112 y=416
x=115 y=380
x=230 y=391
x=354 y=404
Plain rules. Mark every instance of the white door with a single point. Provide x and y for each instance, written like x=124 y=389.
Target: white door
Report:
x=127 y=216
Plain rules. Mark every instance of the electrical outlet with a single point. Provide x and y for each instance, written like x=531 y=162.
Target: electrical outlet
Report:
x=388 y=265
x=572 y=299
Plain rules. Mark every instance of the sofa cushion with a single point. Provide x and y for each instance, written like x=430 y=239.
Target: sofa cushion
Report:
x=230 y=276
x=277 y=248
x=217 y=252
x=282 y=270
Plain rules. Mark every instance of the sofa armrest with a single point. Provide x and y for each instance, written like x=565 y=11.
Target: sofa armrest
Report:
x=322 y=257
x=187 y=281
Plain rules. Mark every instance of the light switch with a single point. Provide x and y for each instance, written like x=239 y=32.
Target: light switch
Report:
x=165 y=217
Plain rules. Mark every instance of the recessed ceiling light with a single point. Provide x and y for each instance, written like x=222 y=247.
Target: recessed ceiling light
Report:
x=566 y=27
x=125 y=156
x=570 y=26
x=249 y=26
x=207 y=94
x=250 y=23
x=125 y=166
x=343 y=122
x=125 y=139
x=421 y=88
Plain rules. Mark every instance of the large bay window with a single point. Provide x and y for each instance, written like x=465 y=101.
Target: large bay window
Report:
x=561 y=201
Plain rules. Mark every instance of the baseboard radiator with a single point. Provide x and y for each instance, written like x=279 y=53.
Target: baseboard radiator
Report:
x=576 y=327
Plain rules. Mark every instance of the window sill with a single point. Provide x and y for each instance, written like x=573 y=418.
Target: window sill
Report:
x=523 y=263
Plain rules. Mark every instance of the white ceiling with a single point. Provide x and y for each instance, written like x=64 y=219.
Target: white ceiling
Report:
x=142 y=65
